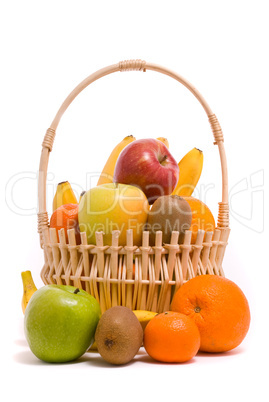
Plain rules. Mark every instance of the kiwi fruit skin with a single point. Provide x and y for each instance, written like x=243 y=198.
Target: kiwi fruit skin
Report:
x=169 y=213
x=118 y=335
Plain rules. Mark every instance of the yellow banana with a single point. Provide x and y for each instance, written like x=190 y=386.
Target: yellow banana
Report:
x=93 y=347
x=190 y=169
x=29 y=288
x=144 y=317
x=108 y=170
x=164 y=140
x=81 y=195
x=64 y=195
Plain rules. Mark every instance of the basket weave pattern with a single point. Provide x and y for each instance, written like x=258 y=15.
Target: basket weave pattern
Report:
x=137 y=277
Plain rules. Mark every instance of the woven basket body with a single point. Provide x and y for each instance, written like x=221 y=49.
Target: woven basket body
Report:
x=144 y=277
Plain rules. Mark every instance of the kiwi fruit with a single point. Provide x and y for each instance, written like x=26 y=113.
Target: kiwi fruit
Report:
x=169 y=213
x=118 y=335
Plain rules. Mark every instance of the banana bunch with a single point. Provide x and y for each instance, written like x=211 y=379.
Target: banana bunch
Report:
x=81 y=195
x=190 y=169
x=108 y=170
x=64 y=195
x=29 y=288
x=164 y=140
x=144 y=317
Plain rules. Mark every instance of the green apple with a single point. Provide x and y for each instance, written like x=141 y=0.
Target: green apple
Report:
x=60 y=322
x=113 y=206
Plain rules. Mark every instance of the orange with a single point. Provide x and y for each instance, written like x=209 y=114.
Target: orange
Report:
x=66 y=216
x=202 y=217
x=218 y=307
x=171 y=337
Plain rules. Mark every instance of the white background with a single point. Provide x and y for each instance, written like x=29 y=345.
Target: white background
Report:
x=47 y=48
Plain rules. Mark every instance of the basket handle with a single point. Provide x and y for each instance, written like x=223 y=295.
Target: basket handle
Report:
x=130 y=65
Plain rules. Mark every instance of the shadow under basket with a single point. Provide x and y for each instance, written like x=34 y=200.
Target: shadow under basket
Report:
x=138 y=277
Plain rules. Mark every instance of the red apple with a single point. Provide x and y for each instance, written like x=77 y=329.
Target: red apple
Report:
x=149 y=165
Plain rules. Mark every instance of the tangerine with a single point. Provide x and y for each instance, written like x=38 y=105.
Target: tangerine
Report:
x=66 y=217
x=202 y=217
x=218 y=307
x=171 y=337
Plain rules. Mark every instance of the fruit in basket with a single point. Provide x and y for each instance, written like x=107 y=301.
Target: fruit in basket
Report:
x=118 y=335
x=218 y=307
x=112 y=206
x=60 y=322
x=64 y=195
x=66 y=217
x=164 y=140
x=29 y=288
x=108 y=170
x=148 y=164
x=190 y=167
x=202 y=217
x=168 y=213
x=144 y=317
x=81 y=195
x=171 y=337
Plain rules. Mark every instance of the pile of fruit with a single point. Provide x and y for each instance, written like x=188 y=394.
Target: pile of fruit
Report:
x=208 y=313
x=141 y=187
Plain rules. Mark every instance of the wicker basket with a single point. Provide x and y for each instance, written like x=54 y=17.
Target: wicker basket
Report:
x=107 y=272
